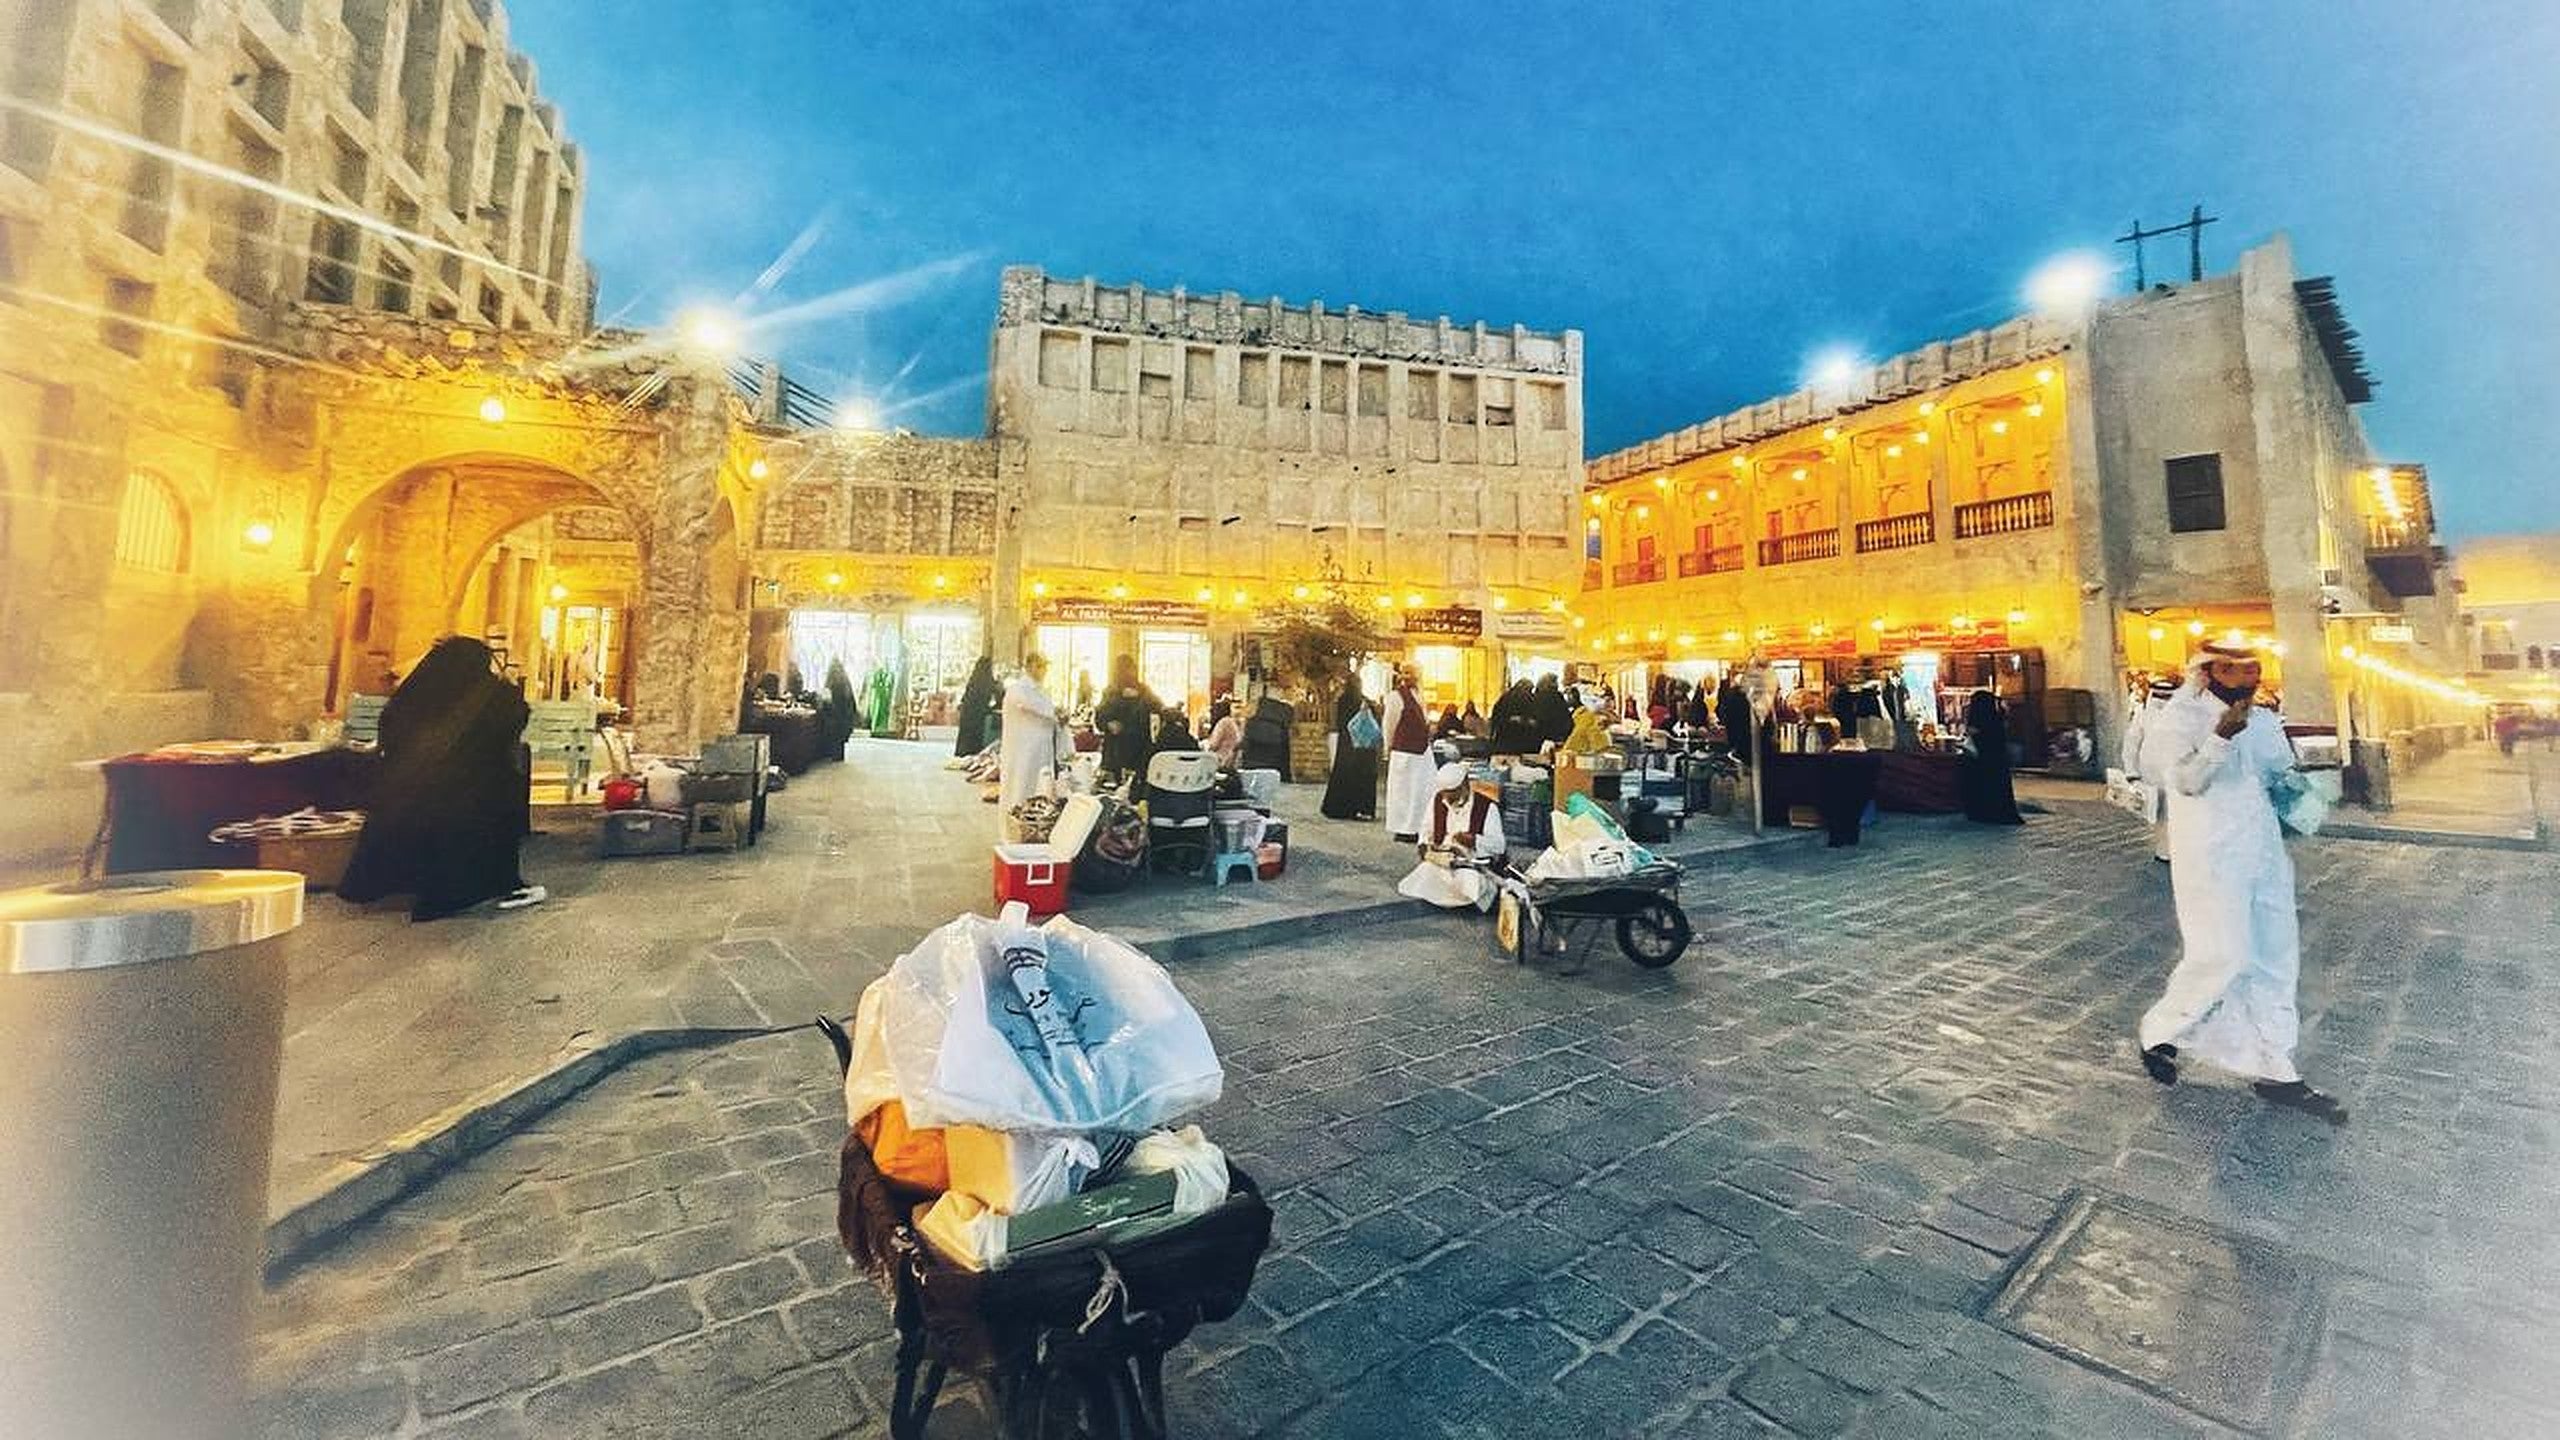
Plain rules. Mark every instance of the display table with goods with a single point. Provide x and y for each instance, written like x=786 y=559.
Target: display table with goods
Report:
x=1012 y=1184
x=1837 y=784
x=794 y=732
x=162 y=806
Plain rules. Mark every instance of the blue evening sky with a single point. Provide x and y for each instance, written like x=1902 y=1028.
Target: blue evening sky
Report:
x=1711 y=193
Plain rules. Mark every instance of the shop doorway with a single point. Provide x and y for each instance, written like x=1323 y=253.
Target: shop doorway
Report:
x=1079 y=662
x=583 y=652
x=1175 y=665
x=940 y=650
x=852 y=638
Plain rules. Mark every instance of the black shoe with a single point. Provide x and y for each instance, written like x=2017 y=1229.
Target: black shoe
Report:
x=1406 y=839
x=2295 y=1095
x=2160 y=1062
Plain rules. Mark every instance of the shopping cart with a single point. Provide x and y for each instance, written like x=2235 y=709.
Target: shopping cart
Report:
x=1064 y=1344
x=1567 y=919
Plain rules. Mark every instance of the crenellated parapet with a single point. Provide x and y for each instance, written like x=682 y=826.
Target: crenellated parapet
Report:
x=1031 y=296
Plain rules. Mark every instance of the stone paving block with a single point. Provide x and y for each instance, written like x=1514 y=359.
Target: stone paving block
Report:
x=1735 y=1323
x=1860 y=1358
x=627 y=1399
x=1634 y=1276
x=1397 y=1234
x=626 y=1326
x=436 y=1324
x=1525 y=1348
x=679 y=1253
x=718 y=1363
x=366 y=1402
x=1339 y=1343
x=1735 y=1210
x=1685 y=1239
x=516 y=1358
x=1287 y=1285
x=744 y=1289
x=1581 y=1307
x=1803 y=1402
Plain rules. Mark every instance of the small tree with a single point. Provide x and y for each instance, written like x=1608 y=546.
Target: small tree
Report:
x=1321 y=639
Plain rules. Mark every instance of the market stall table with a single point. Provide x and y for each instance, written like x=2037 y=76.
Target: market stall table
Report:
x=794 y=729
x=1836 y=783
x=162 y=805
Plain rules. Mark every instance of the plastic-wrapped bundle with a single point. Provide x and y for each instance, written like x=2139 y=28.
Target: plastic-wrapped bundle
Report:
x=1059 y=1029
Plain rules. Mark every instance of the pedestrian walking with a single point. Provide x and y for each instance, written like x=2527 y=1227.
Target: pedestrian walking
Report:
x=1983 y=774
x=1351 y=788
x=2154 y=698
x=2230 y=1000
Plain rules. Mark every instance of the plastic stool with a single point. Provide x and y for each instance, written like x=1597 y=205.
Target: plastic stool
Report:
x=716 y=825
x=1228 y=860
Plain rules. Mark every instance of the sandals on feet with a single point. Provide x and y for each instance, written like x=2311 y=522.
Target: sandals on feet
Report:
x=2295 y=1095
x=2160 y=1062
x=527 y=896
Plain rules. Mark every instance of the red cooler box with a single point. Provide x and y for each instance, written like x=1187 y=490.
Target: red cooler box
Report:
x=1036 y=875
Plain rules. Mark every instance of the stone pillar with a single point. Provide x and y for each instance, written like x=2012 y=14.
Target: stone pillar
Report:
x=678 y=655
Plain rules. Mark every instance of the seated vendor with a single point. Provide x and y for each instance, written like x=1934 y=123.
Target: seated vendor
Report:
x=1463 y=825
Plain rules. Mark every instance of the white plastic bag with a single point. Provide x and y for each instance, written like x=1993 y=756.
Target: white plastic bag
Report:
x=1092 y=1037
x=1199 y=1168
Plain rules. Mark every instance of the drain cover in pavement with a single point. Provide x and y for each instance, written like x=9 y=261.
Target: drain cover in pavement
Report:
x=2215 y=1321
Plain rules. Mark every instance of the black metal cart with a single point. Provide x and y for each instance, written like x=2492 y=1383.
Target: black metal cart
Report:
x=1568 y=918
x=1064 y=1344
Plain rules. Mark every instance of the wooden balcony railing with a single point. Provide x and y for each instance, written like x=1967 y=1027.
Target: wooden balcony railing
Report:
x=1805 y=545
x=2381 y=532
x=1715 y=560
x=2005 y=516
x=1636 y=572
x=1897 y=532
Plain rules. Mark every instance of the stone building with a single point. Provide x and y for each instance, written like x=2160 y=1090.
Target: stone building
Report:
x=2511 y=607
x=1174 y=465
x=295 y=376
x=2042 y=507
x=877 y=550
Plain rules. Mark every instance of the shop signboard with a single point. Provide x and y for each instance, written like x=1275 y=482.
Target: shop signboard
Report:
x=1159 y=614
x=1529 y=625
x=1449 y=621
x=2392 y=634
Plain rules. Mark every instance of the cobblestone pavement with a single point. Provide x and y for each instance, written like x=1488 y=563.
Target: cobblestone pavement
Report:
x=1771 y=1189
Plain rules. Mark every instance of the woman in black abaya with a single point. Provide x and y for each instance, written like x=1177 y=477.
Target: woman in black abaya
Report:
x=1351 y=791
x=449 y=802
x=1983 y=775
x=977 y=708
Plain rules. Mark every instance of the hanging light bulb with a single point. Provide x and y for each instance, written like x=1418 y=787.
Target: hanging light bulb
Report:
x=1298 y=592
x=1830 y=432
x=1741 y=462
x=1119 y=592
x=1204 y=594
x=2017 y=617
x=834 y=578
x=757 y=469
x=1039 y=587
x=493 y=409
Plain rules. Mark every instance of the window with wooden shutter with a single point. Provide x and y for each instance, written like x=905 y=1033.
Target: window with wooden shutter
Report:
x=2195 y=493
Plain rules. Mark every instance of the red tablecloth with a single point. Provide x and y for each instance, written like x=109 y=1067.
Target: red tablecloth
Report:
x=159 y=810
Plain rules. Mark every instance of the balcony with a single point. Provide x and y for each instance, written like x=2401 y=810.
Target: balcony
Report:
x=2007 y=515
x=1896 y=532
x=1805 y=545
x=2402 y=554
x=1716 y=560
x=1636 y=572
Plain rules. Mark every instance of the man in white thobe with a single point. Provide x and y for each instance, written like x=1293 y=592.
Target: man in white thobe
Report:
x=2230 y=1001
x=1408 y=736
x=2153 y=699
x=1032 y=736
x=1464 y=825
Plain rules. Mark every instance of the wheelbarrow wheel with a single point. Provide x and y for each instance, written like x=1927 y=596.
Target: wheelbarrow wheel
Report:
x=1654 y=934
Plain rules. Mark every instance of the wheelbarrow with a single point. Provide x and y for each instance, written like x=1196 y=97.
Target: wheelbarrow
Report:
x=1063 y=1344
x=1569 y=918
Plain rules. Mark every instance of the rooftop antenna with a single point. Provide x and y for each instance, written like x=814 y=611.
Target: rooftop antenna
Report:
x=2193 y=225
